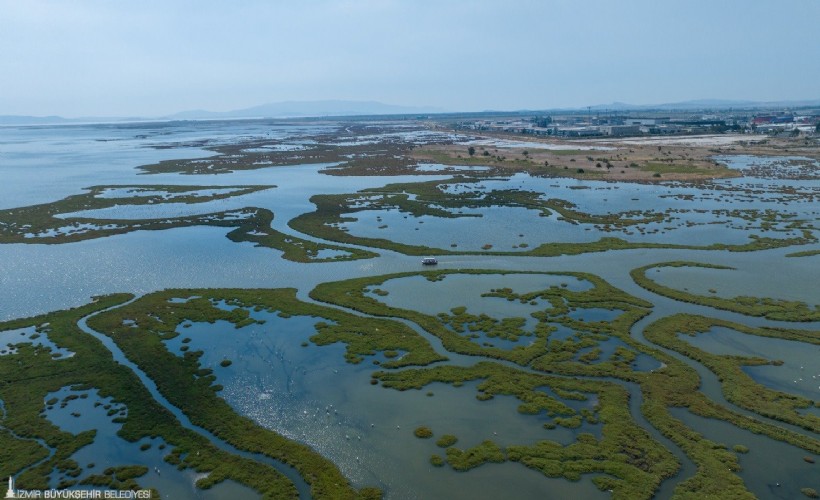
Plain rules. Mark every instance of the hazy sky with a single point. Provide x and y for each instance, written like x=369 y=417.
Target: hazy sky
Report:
x=150 y=58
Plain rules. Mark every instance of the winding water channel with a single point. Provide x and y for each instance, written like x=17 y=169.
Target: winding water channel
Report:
x=302 y=487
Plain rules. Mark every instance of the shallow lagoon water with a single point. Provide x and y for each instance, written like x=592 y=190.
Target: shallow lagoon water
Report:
x=417 y=293
x=799 y=374
x=773 y=167
x=10 y=339
x=491 y=227
x=704 y=220
x=770 y=469
x=788 y=280
x=84 y=410
x=39 y=164
x=312 y=395
x=39 y=278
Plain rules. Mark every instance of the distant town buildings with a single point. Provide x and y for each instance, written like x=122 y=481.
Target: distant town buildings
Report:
x=626 y=124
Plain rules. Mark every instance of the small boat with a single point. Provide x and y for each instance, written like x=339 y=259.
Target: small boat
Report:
x=429 y=261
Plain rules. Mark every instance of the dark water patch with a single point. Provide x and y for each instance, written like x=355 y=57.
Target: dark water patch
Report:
x=770 y=469
x=310 y=394
x=595 y=314
x=645 y=363
x=76 y=411
x=182 y=300
x=813 y=410
x=35 y=336
x=561 y=332
x=793 y=280
x=454 y=290
x=301 y=486
x=773 y=167
x=798 y=374
x=65 y=407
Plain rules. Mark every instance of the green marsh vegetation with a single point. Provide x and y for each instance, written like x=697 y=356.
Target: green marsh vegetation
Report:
x=807 y=253
x=676 y=385
x=463 y=460
x=624 y=458
x=118 y=478
x=672 y=384
x=257 y=229
x=382 y=157
x=773 y=309
x=738 y=387
x=141 y=327
x=446 y=441
x=42 y=224
x=669 y=167
x=423 y=432
x=634 y=462
x=429 y=199
x=29 y=375
x=352 y=294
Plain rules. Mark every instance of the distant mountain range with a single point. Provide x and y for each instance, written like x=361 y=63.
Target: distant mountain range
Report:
x=298 y=109
x=331 y=108
x=287 y=109
x=57 y=120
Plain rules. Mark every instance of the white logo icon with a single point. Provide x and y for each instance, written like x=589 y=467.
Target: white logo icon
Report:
x=10 y=491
